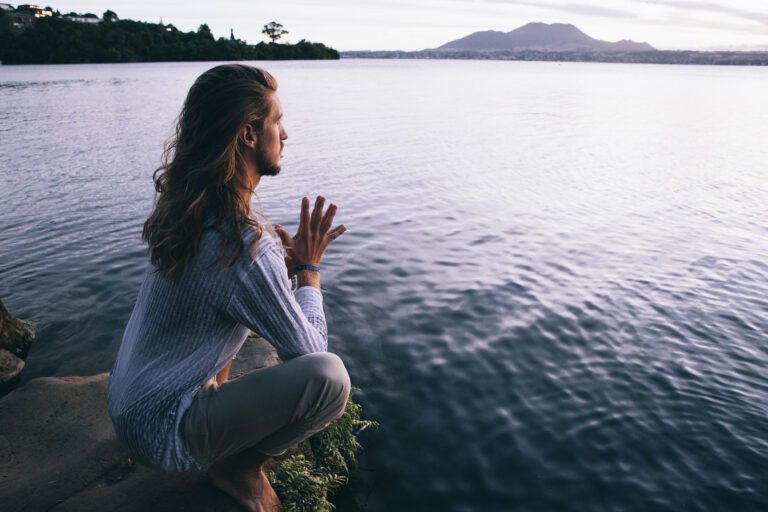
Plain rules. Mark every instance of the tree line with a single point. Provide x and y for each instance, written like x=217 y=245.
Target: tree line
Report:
x=56 y=40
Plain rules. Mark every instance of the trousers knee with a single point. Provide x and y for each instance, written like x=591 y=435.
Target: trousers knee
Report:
x=329 y=370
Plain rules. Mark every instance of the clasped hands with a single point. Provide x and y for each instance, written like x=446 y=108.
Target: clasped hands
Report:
x=312 y=236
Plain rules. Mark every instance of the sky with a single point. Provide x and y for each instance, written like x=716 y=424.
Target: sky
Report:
x=419 y=24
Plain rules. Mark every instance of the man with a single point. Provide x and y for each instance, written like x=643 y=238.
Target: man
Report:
x=169 y=398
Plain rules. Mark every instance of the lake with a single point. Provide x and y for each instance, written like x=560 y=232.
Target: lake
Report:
x=553 y=291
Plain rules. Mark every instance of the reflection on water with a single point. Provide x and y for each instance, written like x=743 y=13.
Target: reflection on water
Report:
x=553 y=287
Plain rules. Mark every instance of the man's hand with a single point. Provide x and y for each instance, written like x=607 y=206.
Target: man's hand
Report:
x=313 y=235
x=288 y=243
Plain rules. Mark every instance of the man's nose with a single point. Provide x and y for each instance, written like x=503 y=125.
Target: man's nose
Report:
x=283 y=135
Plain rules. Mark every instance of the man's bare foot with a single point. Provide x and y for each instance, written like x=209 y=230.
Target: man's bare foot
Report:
x=253 y=492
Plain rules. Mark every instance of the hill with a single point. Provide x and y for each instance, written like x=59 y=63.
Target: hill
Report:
x=542 y=37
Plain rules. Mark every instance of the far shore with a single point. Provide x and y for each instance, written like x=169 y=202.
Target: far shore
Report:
x=680 y=57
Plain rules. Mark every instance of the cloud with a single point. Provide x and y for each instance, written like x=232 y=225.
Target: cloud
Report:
x=594 y=10
x=571 y=8
x=696 y=5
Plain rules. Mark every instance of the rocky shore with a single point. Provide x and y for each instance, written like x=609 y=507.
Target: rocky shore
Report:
x=59 y=453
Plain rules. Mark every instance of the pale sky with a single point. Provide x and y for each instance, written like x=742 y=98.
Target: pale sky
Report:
x=419 y=24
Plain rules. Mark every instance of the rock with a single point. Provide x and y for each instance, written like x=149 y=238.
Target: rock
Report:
x=10 y=366
x=55 y=439
x=255 y=353
x=15 y=335
x=58 y=451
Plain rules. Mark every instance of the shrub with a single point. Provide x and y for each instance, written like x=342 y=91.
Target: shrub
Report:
x=302 y=486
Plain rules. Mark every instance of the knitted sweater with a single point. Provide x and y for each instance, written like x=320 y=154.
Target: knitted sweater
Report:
x=182 y=332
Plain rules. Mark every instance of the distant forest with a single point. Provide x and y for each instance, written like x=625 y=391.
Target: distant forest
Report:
x=57 y=40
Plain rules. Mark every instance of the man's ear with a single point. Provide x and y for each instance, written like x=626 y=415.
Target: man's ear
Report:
x=248 y=136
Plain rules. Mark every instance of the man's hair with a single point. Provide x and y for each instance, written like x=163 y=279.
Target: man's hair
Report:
x=203 y=166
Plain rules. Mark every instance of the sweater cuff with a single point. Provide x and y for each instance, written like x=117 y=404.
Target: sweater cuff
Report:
x=309 y=296
x=310 y=301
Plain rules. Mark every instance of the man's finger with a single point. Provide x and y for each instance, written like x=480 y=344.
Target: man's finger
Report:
x=284 y=236
x=336 y=232
x=325 y=225
x=317 y=213
x=303 y=217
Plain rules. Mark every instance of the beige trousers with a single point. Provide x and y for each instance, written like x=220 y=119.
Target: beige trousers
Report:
x=272 y=408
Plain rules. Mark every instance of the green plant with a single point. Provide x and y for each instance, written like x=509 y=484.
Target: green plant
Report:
x=303 y=486
x=335 y=447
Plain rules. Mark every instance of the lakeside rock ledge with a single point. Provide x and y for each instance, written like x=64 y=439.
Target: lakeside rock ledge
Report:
x=59 y=453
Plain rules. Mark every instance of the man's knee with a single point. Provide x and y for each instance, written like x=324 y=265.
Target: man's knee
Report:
x=328 y=370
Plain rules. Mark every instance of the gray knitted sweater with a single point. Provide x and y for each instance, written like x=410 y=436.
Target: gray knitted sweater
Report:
x=182 y=332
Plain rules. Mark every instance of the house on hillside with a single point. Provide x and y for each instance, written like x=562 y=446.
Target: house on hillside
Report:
x=21 y=20
x=24 y=15
x=34 y=10
x=82 y=18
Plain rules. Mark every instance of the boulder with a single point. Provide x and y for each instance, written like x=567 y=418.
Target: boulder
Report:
x=10 y=366
x=58 y=451
x=16 y=335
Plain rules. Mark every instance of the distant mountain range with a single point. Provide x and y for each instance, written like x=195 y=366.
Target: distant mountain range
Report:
x=557 y=37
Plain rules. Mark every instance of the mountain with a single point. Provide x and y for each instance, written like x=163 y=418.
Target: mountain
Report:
x=558 y=37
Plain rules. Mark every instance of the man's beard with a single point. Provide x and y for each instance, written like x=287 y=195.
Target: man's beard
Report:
x=265 y=167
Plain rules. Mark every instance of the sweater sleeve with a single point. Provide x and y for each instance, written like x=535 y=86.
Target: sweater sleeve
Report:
x=262 y=301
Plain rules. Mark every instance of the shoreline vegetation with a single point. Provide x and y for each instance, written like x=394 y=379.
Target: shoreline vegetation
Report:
x=718 y=58
x=31 y=35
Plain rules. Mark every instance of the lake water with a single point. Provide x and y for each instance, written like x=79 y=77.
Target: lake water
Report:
x=554 y=287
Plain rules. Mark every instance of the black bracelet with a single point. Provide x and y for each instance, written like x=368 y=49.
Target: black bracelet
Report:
x=304 y=266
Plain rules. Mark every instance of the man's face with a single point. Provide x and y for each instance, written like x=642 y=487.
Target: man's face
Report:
x=270 y=140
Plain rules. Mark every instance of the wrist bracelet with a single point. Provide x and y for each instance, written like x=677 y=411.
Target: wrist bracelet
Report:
x=304 y=266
